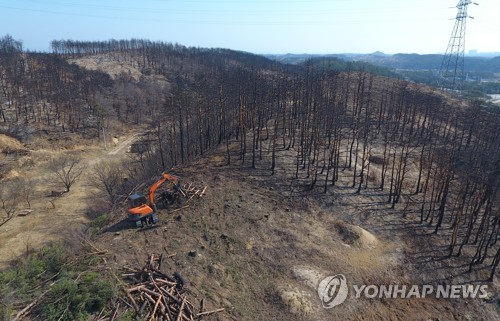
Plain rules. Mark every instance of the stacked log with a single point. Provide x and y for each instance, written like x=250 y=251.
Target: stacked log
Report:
x=189 y=191
x=170 y=194
x=158 y=296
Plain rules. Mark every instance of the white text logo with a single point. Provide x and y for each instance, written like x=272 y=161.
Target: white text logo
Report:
x=333 y=290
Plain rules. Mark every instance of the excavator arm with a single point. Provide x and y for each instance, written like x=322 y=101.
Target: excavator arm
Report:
x=141 y=213
x=165 y=177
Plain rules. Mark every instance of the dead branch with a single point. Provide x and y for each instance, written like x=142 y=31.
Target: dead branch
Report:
x=210 y=312
x=30 y=306
x=158 y=295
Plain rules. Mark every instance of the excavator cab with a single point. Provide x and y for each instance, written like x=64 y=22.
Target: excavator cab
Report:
x=139 y=212
x=136 y=200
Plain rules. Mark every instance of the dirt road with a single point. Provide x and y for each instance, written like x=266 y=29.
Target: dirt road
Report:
x=122 y=147
x=53 y=218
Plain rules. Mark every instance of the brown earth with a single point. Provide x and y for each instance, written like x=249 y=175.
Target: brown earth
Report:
x=51 y=218
x=107 y=65
x=115 y=69
x=258 y=247
x=258 y=244
x=10 y=145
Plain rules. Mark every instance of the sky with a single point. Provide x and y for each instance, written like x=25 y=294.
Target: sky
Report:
x=257 y=26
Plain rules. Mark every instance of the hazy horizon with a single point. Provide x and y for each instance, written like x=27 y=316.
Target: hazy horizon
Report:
x=257 y=26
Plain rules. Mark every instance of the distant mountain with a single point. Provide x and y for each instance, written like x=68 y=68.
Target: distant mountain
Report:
x=296 y=59
x=484 y=54
x=379 y=53
x=400 y=61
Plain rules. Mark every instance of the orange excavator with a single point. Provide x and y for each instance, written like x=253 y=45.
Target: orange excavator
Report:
x=139 y=212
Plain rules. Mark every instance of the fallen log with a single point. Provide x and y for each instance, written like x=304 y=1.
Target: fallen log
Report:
x=179 y=316
x=210 y=312
x=154 y=310
x=135 y=288
x=132 y=301
x=29 y=307
x=116 y=311
x=25 y=212
x=160 y=296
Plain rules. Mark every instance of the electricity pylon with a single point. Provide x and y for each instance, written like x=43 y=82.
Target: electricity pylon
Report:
x=452 y=68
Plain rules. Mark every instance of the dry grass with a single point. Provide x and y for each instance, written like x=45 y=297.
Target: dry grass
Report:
x=258 y=245
x=10 y=145
x=107 y=65
x=260 y=252
x=51 y=217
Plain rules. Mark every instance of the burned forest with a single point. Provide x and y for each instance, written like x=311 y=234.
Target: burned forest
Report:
x=312 y=130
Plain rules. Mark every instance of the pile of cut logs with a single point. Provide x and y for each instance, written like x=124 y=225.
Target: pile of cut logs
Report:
x=189 y=191
x=157 y=296
x=170 y=194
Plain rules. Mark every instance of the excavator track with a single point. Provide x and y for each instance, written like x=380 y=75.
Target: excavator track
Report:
x=148 y=220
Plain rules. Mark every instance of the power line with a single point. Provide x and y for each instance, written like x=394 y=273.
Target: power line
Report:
x=247 y=11
x=225 y=19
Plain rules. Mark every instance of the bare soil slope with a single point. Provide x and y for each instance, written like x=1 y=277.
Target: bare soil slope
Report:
x=258 y=245
x=257 y=248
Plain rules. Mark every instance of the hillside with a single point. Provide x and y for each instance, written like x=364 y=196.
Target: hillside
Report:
x=258 y=250
x=310 y=172
x=401 y=61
